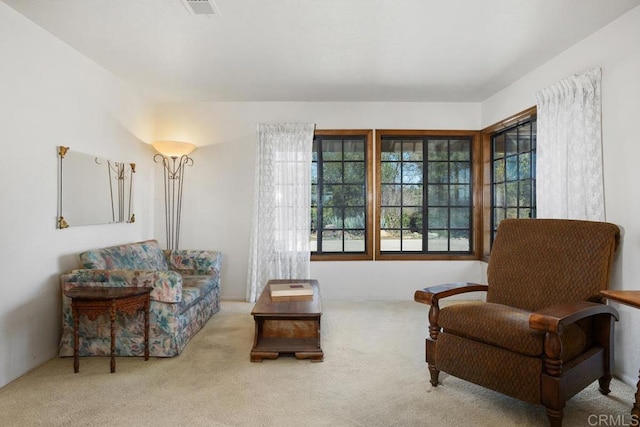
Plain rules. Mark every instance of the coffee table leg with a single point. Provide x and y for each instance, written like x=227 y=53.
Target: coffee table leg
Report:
x=112 y=315
x=76 y=340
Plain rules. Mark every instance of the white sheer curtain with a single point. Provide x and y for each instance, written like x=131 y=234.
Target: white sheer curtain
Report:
x=569 y=175
x=282 y=205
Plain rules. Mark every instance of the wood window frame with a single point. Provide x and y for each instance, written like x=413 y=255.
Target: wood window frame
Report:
x=369 y=198
x=487 y=204
x=476 y=176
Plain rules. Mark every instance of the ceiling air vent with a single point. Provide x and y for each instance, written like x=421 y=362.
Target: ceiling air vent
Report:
x=201 y=7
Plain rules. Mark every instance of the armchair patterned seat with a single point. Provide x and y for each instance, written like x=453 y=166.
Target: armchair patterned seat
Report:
x=543 y=333
x=186 y=293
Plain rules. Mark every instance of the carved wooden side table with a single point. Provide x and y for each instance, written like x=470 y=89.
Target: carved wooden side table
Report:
x=95 y=301
x=631 y=298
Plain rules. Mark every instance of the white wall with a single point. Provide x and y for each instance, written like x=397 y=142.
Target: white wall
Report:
x=615 y=49
x=50 y=95
x=219 y=187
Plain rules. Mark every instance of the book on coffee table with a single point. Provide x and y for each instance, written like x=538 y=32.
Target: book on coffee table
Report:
x=290 y=289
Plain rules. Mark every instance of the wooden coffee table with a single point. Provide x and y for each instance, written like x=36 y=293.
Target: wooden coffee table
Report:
x=287 y=325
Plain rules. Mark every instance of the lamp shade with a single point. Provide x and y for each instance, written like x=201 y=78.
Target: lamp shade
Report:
x=173 y=148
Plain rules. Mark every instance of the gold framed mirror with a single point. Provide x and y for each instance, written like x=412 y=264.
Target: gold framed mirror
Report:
x=93 y=190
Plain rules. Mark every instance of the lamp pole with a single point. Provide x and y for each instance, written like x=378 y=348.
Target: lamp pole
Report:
x=174 y=168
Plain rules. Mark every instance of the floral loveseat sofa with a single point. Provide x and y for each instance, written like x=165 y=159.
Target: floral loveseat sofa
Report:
x=186 y=293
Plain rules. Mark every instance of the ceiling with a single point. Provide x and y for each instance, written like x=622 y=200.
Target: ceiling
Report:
x=322 y=50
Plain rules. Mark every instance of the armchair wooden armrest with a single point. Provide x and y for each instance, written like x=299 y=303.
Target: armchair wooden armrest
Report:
x=553 y=319
x=433 y=294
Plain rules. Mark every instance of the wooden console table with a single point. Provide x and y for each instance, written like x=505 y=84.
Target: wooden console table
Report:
x=95 y=301
x=287 y=325
x=631 y=298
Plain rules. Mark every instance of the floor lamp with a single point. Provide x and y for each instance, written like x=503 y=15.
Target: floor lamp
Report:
x=174 y=156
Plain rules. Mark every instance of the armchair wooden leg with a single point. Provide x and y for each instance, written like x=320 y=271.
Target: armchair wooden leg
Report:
x=434 y=375
x=430 y=351
x=605 y=381
x=555 y=417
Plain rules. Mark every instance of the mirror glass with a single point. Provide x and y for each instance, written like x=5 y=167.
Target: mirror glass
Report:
x=93 y=190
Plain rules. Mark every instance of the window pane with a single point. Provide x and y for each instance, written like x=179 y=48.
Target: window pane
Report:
x=354 y=218
x=391 y=195
x=460 y=240
x=438 y=172
x=389 y=218
x=353 y=195
x=331 y=150
x=499 y=199
x=460 y=218
x=314 y=173
x=438 y=240
x=498 y=147
x=460 y=195
x=511 y=142
x=354 y=150
x=438 y=149
x=459 y=172
x=332 y=218
x=314 y=195
x=498 y=171
x=412 y=195
x=512 y=194
x=438 y=217
x=333 y=195
x=332 y=241
x=314 y=220
x=525 y=213
x=411 y=172
x=438 y=195
x=353 y=172
x=499 y=214
x=512 y=213
x=512 y=168
x=411 y=241
x=390 y=172
x=524 y=138
x=525 y=193
x=524 y=165
x=412 y=151
x=332 y=172
x=390 y=241
x=412 y=219
x=354 y=241
x=391 y=150
x=460 y=150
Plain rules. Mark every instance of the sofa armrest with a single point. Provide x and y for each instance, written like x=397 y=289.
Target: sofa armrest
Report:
x=194 y=262
x=167 y=285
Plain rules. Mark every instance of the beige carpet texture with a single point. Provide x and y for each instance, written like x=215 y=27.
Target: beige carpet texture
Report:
x=373 y=374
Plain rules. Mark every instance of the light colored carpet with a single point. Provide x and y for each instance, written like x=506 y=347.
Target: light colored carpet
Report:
x=373 y=374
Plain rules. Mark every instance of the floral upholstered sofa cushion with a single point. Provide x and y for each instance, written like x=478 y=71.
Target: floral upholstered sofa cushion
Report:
x=186 y=293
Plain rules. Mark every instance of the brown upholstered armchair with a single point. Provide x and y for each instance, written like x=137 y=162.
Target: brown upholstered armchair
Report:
x=543 y=333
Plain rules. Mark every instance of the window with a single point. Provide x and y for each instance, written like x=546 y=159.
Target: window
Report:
x=341 y=185
x=510 y=159
x=426 y=194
